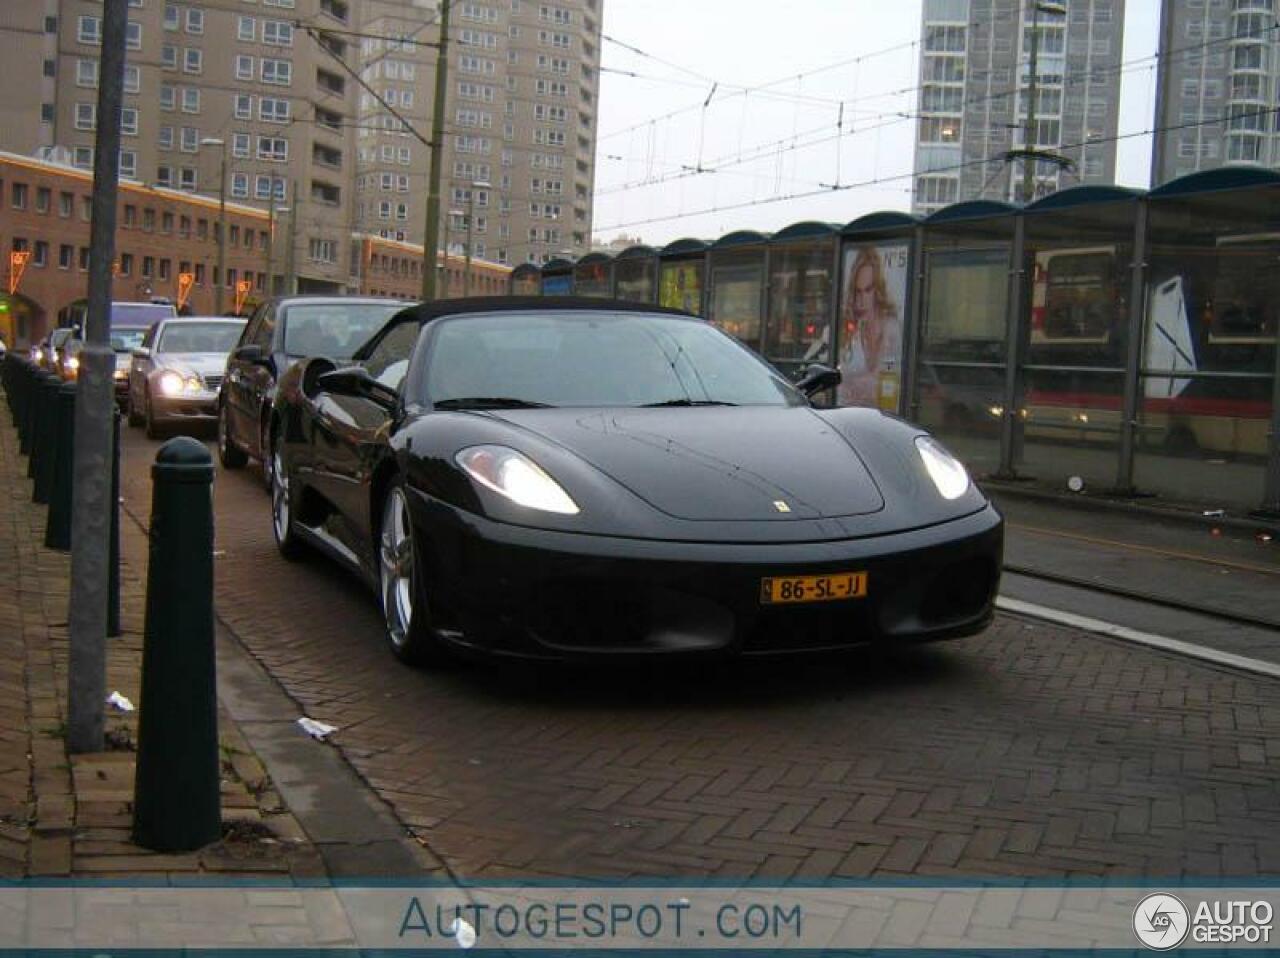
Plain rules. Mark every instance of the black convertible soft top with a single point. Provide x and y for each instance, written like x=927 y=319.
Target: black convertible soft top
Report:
x=436 y=309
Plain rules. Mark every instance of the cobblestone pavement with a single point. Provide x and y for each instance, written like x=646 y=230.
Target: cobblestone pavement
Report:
x=1027 y=750
x=64 y=815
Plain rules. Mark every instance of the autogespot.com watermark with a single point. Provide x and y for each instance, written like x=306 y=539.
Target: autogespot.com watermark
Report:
x=1162 y=922
x=672 y=921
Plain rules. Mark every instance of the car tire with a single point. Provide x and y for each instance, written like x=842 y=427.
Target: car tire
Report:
x=135 y=420
x=406 y=615
x=229 y=454
x=149 y=419
x=282 y=526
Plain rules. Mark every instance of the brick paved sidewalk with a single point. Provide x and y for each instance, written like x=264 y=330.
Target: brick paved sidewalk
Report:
x=64 y=815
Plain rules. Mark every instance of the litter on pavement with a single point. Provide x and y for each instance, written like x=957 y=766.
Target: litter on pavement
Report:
x=317 y=730
x=121 y=703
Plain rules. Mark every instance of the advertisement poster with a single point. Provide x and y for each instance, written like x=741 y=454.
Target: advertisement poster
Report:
x=873 y=297
x=682 y=286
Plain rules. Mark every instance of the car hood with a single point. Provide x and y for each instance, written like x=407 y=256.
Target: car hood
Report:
x=202 y=364
x=717 y=463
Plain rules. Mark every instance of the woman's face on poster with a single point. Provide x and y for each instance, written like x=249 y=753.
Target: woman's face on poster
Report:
x=864 y=293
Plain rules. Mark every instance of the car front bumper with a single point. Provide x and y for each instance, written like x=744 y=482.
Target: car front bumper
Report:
x=193 y=407
x=528 y=592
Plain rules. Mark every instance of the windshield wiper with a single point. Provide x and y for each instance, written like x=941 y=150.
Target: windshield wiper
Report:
x=489 y=402
x=687 y=402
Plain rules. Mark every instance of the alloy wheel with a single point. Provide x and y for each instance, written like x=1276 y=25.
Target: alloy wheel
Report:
x=396 y=560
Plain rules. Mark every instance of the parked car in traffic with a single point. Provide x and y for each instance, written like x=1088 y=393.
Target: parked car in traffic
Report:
x=278 y=334
x=47 y=353
x=568 y=478
x=175 y=373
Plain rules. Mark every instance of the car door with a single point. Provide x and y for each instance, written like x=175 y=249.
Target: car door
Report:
x=141 y=365
x=350 y=437
x=250 y=379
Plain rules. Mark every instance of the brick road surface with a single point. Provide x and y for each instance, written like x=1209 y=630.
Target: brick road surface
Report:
x=1027 y=750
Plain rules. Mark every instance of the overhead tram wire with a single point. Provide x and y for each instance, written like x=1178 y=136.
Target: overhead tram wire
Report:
x=1074 y=78
x=952 y=168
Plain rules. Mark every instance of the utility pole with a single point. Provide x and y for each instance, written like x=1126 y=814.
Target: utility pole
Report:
x=222 y=222
x=1029 y=137
x=91 y=503
x=431 y=239
x=271 y=240
x=291 y=252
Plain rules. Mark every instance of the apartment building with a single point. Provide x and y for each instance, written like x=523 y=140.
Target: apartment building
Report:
x=1216 y=92
x=974 y=73
x=269 y=91
x=520 y=125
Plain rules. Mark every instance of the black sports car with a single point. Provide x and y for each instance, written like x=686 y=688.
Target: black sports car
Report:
x=564 y=477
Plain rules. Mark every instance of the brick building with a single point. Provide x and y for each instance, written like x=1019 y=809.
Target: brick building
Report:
x=387 y=267
x=45 y=210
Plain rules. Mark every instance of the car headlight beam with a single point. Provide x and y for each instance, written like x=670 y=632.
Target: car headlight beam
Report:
x=171 y=383
x=949 y=476
x=516 y=477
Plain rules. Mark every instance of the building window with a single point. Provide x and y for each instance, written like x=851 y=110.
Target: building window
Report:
x=240 y=144
x=273 y=110
x=190 y=99
x=129 y=164
x=84 y=259
x=87 y=72
x=86 y=116
x=89 y=30
x=133 y=35
x=277 y=72
x=129 y=121
x=192 y=60
x=164 y=269
x=277 y=33
x=240 y=185
x=168 y=96
x=275 y=148
x=172 y=17
x=195 y=20
x=132 y=79
x=66 y=255
x=190 y=141
x=244 y=106
x=126 y=264
x=164 y=177
x=164 y=138
x=244 y=67
x=169 y=57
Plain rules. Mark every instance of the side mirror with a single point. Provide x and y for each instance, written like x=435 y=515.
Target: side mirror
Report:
x=356 y=381
x=252 y=353
x=142 y=352
x=817 y=378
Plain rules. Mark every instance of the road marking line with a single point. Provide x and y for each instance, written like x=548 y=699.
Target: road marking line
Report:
x=1118 y=546
x=1124 y=633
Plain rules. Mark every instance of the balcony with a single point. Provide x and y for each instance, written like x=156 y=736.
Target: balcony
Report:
x=323 y=155
x=336 y=9
x=325 y=193
x=330 y=82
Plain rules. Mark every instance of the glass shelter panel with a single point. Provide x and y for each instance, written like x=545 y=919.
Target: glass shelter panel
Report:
x=873 y=306
x=962 y=369
x=592 y=279
x=799 y=329
x=1209 y=348
x=633 y=279
x=680 y=284
x=1077 y=263
x=737 y=295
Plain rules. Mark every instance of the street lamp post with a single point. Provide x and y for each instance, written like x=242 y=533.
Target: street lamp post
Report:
x=222 y=221
x=471 y=221
x=272 y=212
x=1033 y=67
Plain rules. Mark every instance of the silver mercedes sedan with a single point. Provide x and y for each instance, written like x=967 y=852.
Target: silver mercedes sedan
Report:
x=175 y=374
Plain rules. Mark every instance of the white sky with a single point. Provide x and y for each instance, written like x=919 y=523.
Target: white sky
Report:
x=870 y=54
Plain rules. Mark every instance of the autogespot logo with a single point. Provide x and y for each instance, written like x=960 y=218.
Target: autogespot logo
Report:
x=1161 y=921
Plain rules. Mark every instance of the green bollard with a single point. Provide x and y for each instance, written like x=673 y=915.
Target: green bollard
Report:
x=57 y=531
x=44 y=448
x=113 y=556
x=176 y=805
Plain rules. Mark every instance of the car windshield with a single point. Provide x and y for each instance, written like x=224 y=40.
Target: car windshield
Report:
x=140 y=314
x=335 y=330
x=185 y=336
x=595 y=359
x=59 y=336
x=127 y=338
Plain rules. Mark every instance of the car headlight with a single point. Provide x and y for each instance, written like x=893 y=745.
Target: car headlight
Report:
x=120 y=373
x=171 y=383
x=38 y=355
x=73 y=363
x=517 y=477
x=948 y=475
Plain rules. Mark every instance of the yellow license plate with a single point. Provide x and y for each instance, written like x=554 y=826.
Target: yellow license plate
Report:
x=813 y=588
